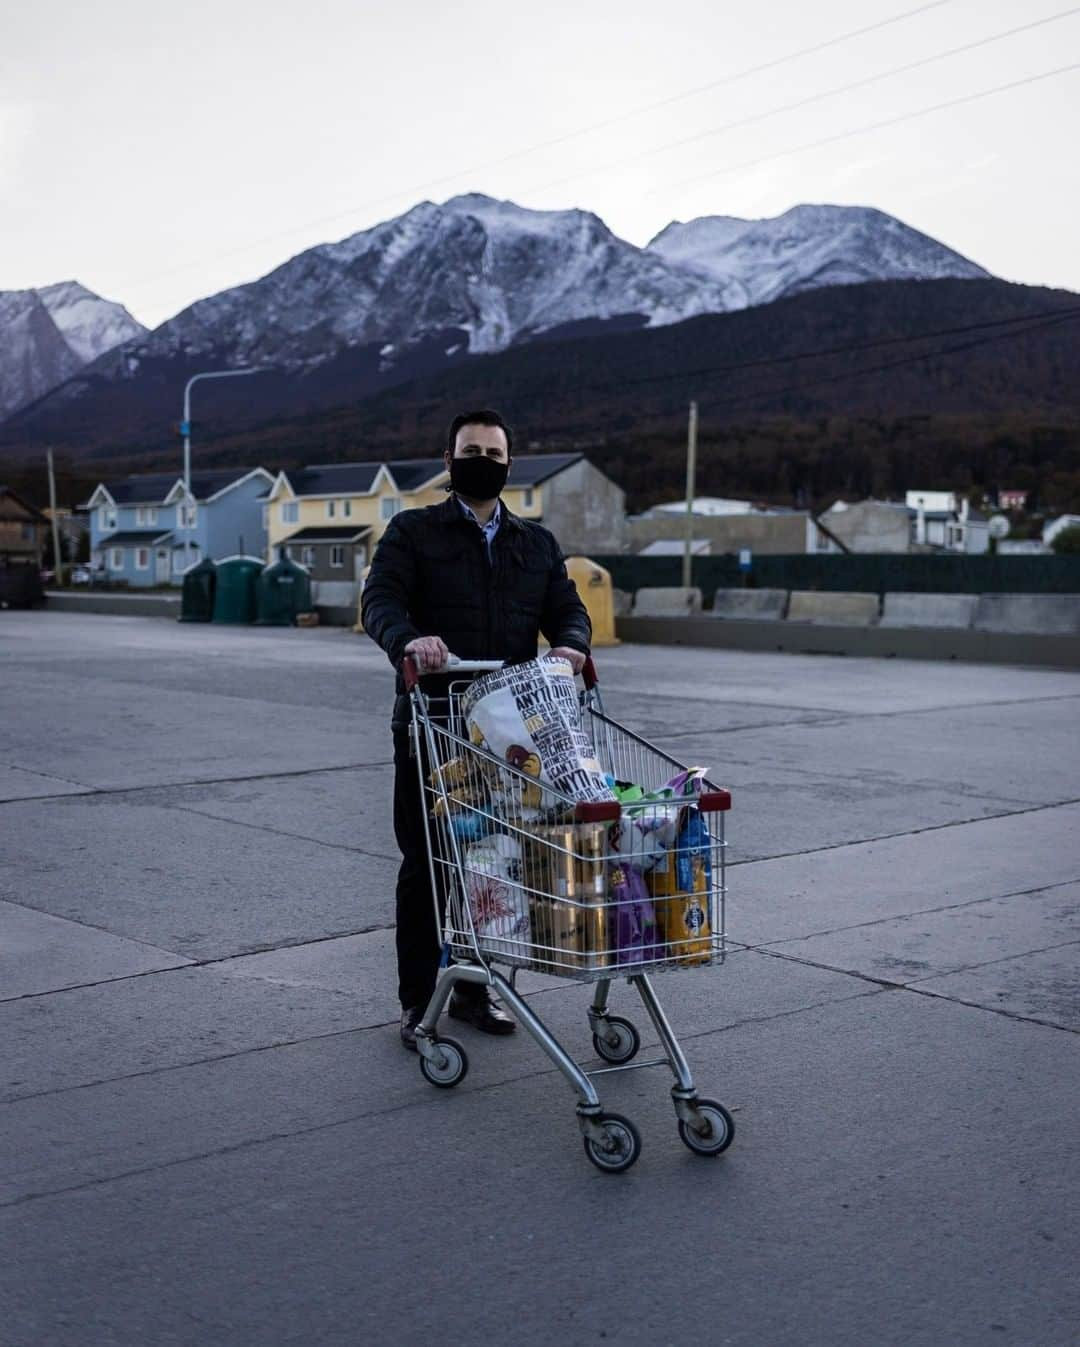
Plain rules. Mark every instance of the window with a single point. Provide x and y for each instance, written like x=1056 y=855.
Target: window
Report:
x=527 y=498
x=389 y=506
x=145 y=515
x=106 y=518
x=346 y=508
x=142 y=558
x=29 y=533
x=331 y=508
x=337 y=556
x=187 y=515
x=290 y=512
x=307 y=556
x=288 y=553
x=265 y=517
x=116 y=558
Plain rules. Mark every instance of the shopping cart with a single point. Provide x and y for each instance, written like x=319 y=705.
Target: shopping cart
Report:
x=525 y=878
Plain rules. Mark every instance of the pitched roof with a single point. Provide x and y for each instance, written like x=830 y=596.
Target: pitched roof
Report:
x=344 y=479
x=342 y=533
x=32 y=510
x=134 y=538
x=151 y=488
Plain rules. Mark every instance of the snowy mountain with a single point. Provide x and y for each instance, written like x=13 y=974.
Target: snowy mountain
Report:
x=48 y=335
x=806 y=247
x=485 y=273
x=427 y=289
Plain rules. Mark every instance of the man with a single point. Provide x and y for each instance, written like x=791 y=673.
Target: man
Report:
x=468 y=578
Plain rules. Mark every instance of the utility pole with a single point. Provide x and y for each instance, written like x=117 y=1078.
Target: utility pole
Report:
x=185 y=430
x=58 y=560
x=691 y=477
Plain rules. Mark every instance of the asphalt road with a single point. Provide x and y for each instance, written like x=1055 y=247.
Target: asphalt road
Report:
x=210 y=1134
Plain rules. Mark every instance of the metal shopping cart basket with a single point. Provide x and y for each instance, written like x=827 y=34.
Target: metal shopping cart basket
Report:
x=528 y=879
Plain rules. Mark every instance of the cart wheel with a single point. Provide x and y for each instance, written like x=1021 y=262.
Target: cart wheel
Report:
x=617 y=1040
x=721 y=1129
x=619 y=1149
x=454 y=1065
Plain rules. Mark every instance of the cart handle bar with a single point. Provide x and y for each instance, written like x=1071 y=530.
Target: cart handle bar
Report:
x=411 y=673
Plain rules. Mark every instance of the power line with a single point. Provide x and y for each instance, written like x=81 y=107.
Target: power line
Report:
x=554 y=142
x=808 y=101
x=888 y=365
x=872 y=126
x=763 y=362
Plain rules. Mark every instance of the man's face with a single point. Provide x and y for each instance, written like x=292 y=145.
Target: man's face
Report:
x=480 y=441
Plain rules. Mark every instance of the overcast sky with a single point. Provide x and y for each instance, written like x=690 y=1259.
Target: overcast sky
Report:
x=159 y=153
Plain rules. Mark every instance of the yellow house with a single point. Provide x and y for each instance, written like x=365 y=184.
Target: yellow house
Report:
x=329 y=517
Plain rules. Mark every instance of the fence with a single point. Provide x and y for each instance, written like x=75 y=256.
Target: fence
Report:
x=875 y=573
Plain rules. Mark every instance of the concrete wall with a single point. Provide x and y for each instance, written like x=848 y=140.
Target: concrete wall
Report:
x=765 y=533
x=832 y=607
x=1057 y=613
x=750 y=605
x=1061 y=652
x=585 y=510
x=929 y=610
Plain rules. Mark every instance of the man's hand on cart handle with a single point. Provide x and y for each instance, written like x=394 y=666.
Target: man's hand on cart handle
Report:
x=574 y=658
x=429 y=653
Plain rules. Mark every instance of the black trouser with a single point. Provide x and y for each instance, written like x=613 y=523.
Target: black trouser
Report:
x=418 y=936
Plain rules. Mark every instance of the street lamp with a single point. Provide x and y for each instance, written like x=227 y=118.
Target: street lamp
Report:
x=185 y=430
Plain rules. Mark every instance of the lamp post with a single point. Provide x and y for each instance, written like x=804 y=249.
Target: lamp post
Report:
x=185 y=430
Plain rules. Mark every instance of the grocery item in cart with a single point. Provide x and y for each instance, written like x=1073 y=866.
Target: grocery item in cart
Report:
x=632 y=919
x=565 y=871
x=528 y=715
x=681 y=892
x=497 y=901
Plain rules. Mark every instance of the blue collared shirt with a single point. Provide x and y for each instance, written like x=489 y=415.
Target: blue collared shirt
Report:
x=489 y=529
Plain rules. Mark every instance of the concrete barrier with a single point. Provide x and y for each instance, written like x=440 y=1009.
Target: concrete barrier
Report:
x=668 y=602
x=115 y=602
x=1040 y=614
x=836 y=608
x=929 y=610
x=750 y=605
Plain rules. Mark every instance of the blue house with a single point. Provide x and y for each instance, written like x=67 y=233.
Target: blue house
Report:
x=146 y=530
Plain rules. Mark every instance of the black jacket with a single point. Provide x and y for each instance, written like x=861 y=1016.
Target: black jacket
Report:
x=430 y=576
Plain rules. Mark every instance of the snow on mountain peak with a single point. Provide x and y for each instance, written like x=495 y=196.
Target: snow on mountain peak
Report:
x=805 y=247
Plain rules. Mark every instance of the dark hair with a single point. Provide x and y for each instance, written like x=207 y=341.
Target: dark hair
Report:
x=482 y=417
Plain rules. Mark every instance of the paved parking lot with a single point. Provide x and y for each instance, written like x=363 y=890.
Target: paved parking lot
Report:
x=210 y=1133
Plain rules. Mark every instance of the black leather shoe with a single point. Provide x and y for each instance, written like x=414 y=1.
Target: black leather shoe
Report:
x=478 y=1009
x=410 y=1018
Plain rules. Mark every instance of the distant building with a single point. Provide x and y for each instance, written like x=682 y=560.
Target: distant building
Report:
x=1012 y=500
x=870 y=525
x=761 y=529
x=146 y=530
x=676 y=547
x=23 y=528
x=941 y=521
x=1059 y=525
x=706 y=505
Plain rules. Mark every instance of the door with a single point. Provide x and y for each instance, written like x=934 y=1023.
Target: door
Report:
x=161 y=566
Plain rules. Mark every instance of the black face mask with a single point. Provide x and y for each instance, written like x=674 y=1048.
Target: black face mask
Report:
x=478 y=477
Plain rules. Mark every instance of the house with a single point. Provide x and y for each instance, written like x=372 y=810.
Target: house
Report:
x=23 y=529
x=869 y=525
x=1012 y=500
x=1059 y=525
x=942 y=522
x=330 y=516
x=759 y=529
x=146 y=529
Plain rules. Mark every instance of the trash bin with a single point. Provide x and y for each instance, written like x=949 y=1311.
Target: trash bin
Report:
x=234 y=597
x=595 y=590
x=197 y=592
x=282 y=590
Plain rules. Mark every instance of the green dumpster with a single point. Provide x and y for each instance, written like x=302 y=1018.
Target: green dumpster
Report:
x=281 y=591
x=234 y=599
x=197 y=594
